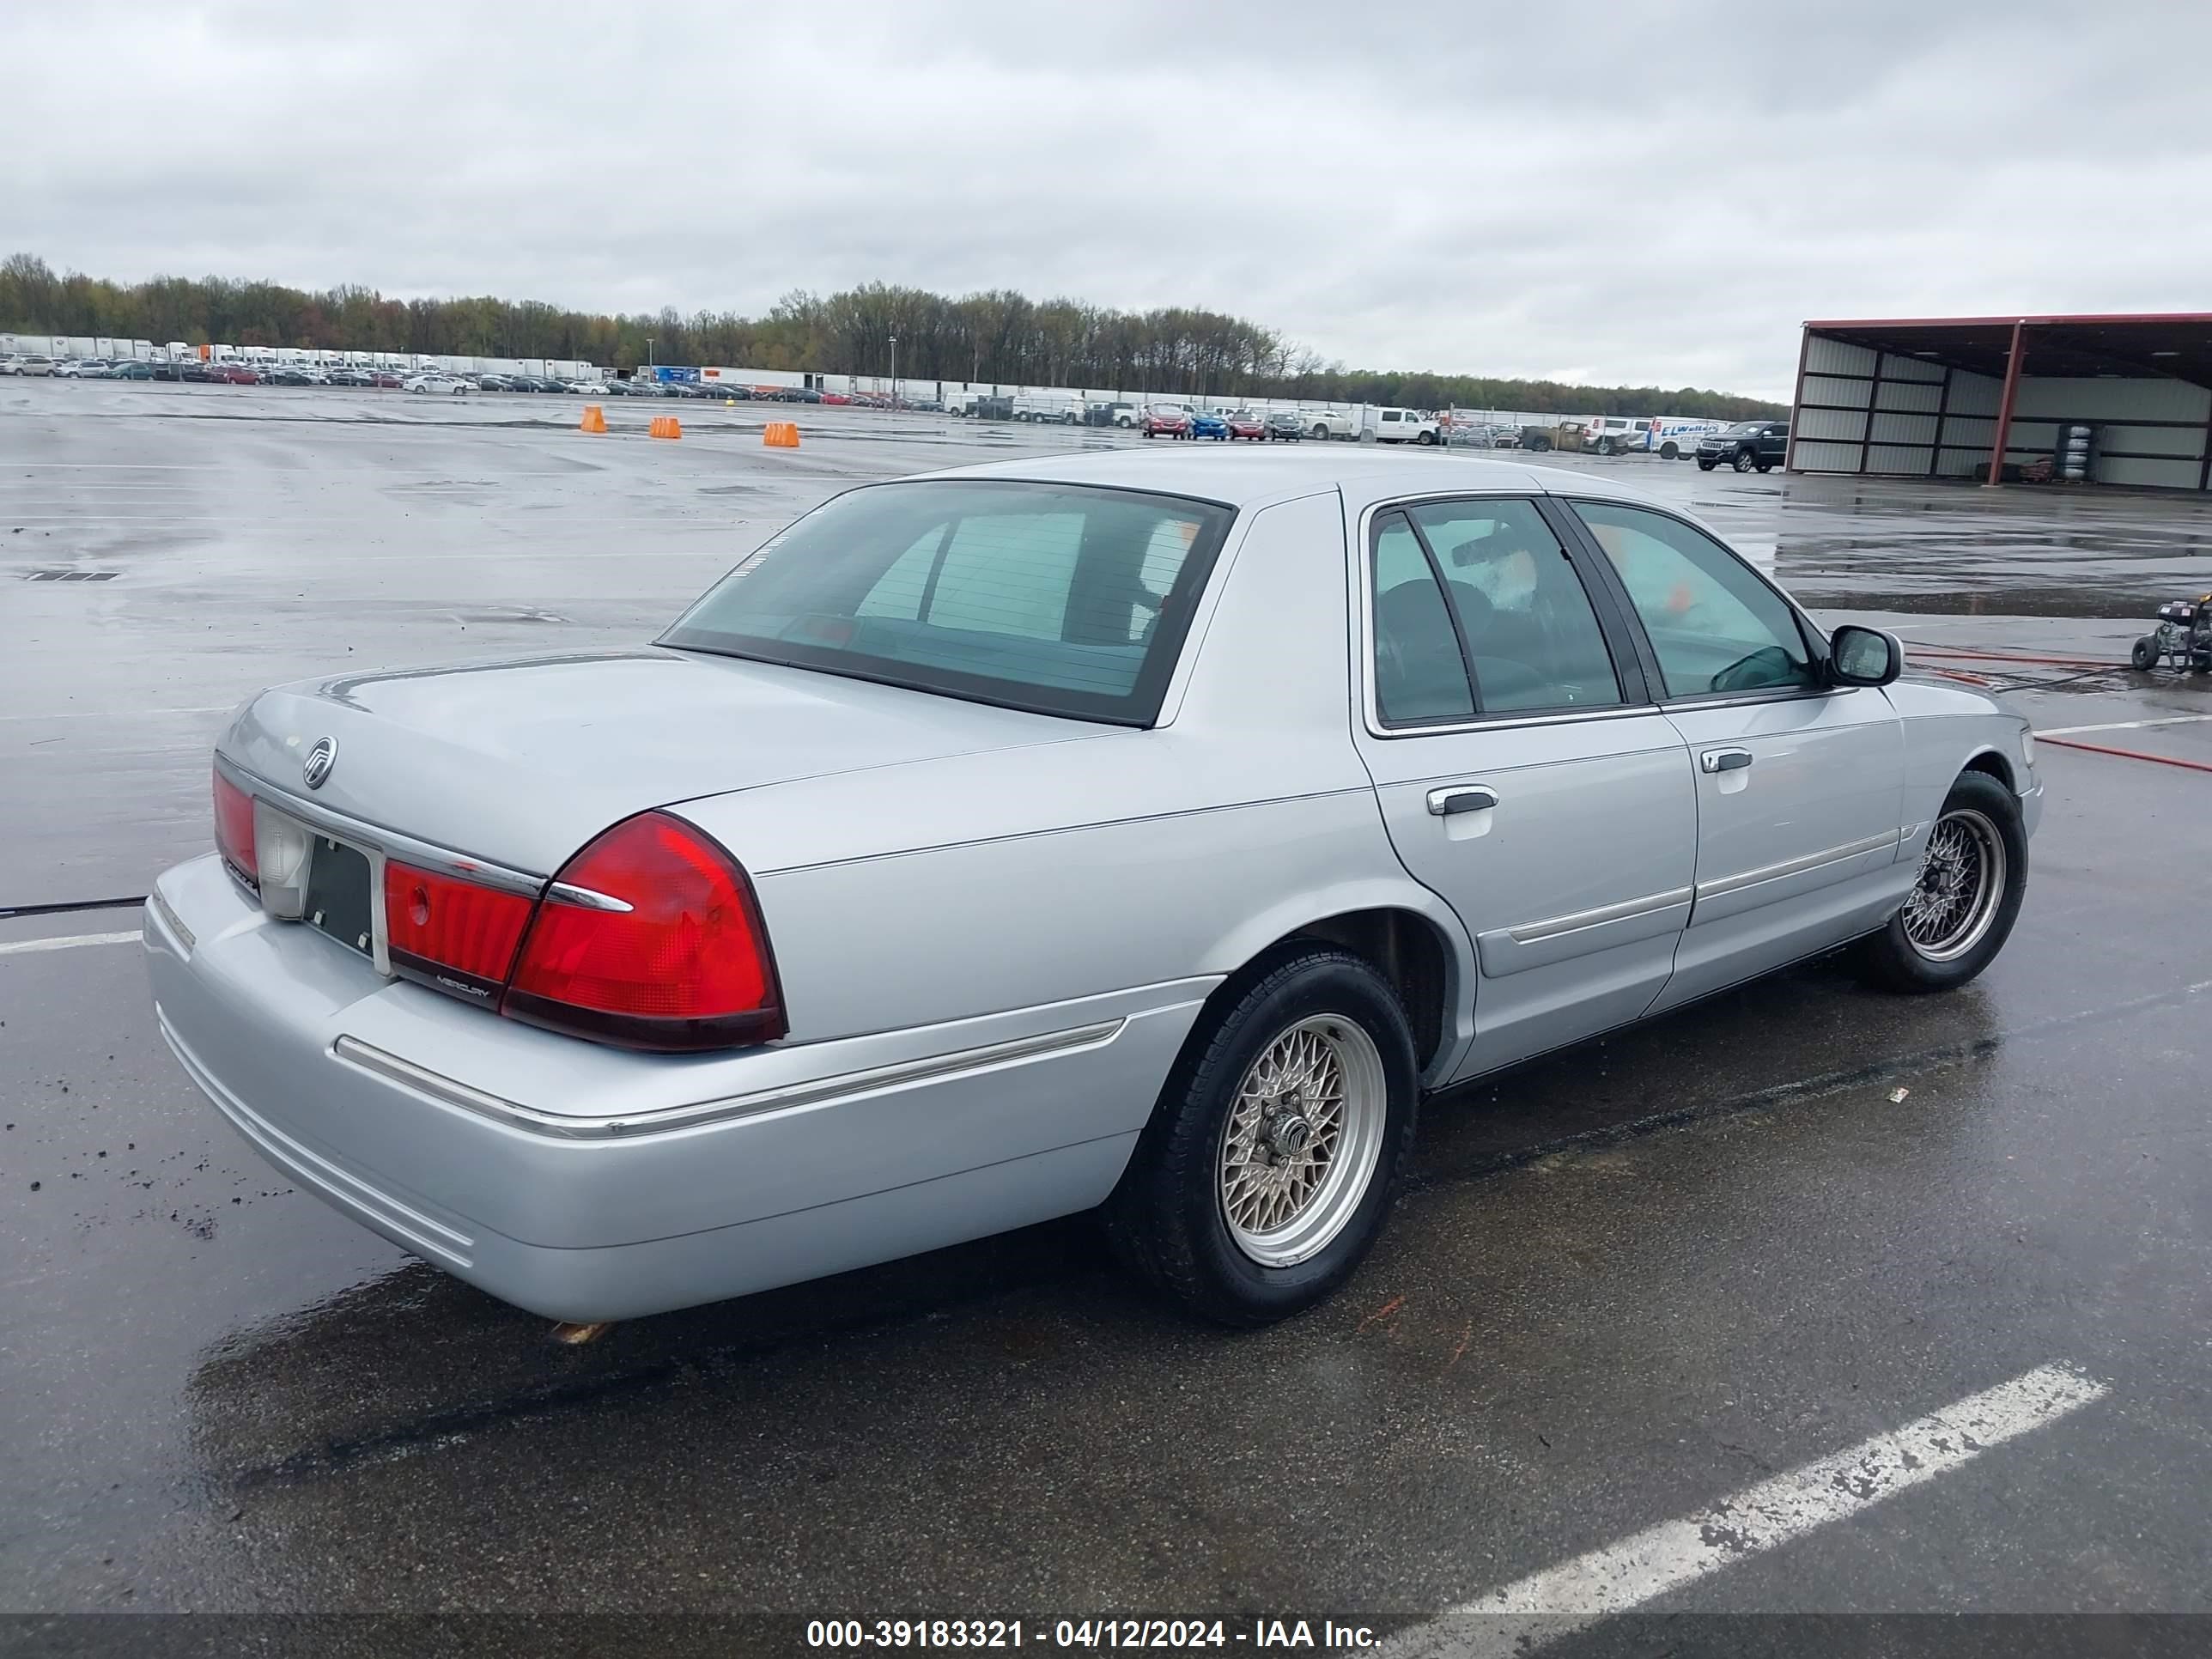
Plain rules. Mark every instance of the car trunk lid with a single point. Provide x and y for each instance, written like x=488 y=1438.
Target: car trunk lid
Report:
x=520 y=763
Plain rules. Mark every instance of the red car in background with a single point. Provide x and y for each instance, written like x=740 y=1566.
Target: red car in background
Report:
x=390 y=379
x=237 y=374
x=835 y=398
x=1245 y=424
x=1172 y=419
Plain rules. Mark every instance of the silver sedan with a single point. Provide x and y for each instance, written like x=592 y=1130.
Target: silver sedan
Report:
x=1145 y=833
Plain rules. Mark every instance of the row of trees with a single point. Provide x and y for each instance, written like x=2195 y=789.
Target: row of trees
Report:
x=1000 y=337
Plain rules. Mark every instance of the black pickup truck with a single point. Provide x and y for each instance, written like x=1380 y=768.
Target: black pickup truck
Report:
x=1748 y=444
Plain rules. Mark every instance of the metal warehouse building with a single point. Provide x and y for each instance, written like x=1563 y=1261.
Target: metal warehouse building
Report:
x=2116 y=400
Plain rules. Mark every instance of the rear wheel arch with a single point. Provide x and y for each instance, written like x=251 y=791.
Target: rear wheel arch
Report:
x=1407 y=948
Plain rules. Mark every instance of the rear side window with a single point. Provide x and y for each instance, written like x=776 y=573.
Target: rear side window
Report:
x=1053 y=597
x=1420 y=674
x=1532 y=635
x=1508 y=629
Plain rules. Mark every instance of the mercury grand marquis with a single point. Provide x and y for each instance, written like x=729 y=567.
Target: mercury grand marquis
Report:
x=1140 y=833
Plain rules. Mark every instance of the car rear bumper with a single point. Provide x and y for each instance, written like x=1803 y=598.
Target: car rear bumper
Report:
x=586 y=1182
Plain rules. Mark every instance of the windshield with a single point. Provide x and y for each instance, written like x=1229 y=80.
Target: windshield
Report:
x=1052 y=597
x=1746 y=429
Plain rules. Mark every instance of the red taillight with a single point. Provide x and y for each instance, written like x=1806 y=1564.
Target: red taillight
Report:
x=233 y=827
x=679 y=960
x=457 y=934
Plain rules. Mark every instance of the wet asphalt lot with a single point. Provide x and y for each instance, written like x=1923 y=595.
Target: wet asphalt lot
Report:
x=1630 y=1279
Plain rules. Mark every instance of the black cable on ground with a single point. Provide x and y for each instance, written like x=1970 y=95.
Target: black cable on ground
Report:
x=7 y=911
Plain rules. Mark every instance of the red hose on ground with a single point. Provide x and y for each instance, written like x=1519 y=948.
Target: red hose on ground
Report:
x=2009 y=656
x=2125 y=754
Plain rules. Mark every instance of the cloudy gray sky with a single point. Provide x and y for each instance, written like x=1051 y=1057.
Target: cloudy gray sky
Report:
x=1608 y=190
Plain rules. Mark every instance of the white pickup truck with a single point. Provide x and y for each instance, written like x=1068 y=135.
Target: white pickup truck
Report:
x=1321 y=425
x=1058 y=408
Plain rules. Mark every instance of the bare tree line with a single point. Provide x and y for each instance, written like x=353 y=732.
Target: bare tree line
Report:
x=999 y=337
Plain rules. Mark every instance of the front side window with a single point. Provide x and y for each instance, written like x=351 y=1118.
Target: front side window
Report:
x=1715 y=625
x=1053 y=597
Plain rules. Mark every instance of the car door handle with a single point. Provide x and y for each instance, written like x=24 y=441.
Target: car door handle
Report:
x=1724 y=760
x=1461 y=797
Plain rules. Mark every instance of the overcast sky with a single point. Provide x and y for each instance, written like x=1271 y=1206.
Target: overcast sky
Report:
x=1605 y=191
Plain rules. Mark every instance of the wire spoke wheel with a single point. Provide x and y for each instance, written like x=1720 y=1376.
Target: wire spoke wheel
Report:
x=1301 y=1140
x=1961 y=884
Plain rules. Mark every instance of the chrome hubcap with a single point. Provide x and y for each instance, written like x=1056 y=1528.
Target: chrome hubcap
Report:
x=1302 y=1140
x=1962 y=878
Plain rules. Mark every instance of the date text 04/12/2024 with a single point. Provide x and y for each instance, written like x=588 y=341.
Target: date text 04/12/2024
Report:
x=1085 y=1633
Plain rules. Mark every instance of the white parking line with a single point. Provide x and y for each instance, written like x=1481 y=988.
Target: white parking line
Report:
x=2122 y=725
x=24 y=947
x=1561 y=1600
x=122 y=714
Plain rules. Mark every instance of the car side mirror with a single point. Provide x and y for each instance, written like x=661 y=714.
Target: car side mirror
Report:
x=1864 y=656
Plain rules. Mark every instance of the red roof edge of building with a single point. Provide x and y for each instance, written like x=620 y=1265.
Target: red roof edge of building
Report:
x=2081 y=320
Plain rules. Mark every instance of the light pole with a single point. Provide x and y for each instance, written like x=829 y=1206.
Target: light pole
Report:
x=648 y=351
x=894 y=371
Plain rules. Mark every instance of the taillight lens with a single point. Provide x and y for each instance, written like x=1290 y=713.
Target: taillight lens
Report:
x=233 y=827
x=683 y=963
x=459 y=935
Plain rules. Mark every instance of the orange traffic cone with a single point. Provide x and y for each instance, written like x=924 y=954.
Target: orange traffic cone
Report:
x=665 y=426
x=780 y=435
x=595 y=419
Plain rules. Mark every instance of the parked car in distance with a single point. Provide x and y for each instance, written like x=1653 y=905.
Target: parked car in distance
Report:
x=34 y=365
x=387 y=379
x=237 y=374
x=586 y=388
x=132 y=369
x=284 y=374
x=346 y=374
x=438 y=385
x=576 y=1011
x=1210 y=423
x=79 y=368
x=1164 y=420
x=838 y=397
x=1748 y=444
x=1243 y=423
x=1285 y=426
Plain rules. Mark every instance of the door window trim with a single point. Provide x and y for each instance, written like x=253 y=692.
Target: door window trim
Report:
x=1810 y=634
x=1621 y=645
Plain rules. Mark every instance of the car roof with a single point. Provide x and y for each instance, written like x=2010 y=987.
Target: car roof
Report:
x=1259 y=475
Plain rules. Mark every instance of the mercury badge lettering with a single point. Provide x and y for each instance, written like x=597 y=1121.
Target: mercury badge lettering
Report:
x=320 y=759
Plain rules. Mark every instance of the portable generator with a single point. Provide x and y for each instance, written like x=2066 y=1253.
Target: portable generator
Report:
x=2183 y=634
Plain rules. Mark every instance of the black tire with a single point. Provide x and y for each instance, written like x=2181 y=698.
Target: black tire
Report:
x=1766 y=466
x=1706 y=466
x=1892 y=960
x=2143 y=653
x=1165 y=1218
x=1743 y=462
x=1321 y=434
x=1670 y=451
x=1605 y=446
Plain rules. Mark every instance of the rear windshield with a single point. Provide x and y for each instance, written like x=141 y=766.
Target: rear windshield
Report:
x=1052 y=597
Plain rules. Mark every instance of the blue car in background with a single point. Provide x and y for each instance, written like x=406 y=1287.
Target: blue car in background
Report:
x=1209 y=425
